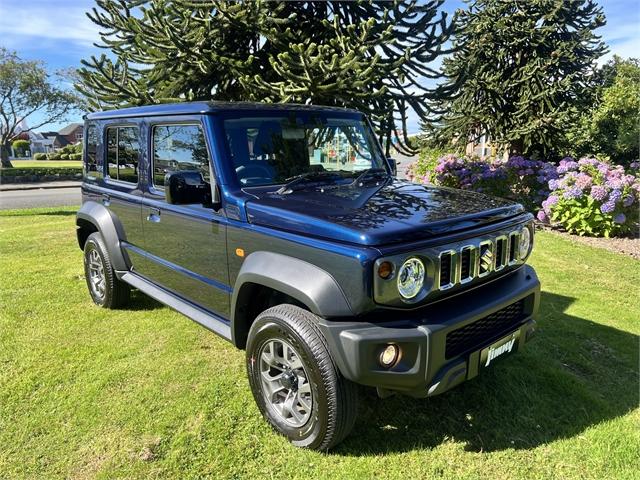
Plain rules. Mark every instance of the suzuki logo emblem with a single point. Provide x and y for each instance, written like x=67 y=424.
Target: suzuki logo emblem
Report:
x=486 y=260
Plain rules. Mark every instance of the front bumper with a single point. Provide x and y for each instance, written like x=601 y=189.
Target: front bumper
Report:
x=433 y=358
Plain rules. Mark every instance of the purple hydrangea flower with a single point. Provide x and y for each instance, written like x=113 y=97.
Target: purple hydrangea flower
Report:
x=615 y=196
x=553 y=184
x=627 y=201
x=572 y=192
x=552 y=200
x=620 y=218
x=598 y=192
x=608 y=207
x=634 y=165
x=542 y=216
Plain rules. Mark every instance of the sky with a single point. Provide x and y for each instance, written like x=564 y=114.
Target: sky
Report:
x=59 y=33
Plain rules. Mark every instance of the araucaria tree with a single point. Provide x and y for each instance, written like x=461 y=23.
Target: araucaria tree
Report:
x=26 y=89
x=520 y=68
x=373 y=56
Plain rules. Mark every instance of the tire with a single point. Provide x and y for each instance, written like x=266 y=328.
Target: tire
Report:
x=289 y=336
x=112 y=293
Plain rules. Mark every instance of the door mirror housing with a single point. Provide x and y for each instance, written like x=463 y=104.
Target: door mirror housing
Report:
x=187 y=187
x=392 y=166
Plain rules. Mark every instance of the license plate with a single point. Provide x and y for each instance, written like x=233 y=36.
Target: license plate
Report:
x=502 y=347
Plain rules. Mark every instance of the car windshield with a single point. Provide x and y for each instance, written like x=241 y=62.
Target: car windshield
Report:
x=279 y=148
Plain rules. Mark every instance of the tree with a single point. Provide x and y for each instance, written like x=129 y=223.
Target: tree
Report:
x=611 y=127
x=26 y=89
x=372 y=56
x=519 y=67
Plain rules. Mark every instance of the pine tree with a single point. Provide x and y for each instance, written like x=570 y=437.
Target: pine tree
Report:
x=519 y=68
x=372 y=56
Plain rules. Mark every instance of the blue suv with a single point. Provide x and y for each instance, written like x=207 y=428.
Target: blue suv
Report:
x=283 y=229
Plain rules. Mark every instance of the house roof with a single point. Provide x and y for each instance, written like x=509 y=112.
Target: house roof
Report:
x=186 y=108
x=69 y=128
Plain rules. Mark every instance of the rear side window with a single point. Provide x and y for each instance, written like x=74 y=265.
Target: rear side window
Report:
x=90 y=161
x=123 y=151
x=178 y=147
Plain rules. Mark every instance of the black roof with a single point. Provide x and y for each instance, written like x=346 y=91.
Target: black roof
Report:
x=189 y=108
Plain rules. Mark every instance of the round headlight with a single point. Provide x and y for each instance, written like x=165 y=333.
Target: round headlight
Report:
x=524 y=245
x=410 y=278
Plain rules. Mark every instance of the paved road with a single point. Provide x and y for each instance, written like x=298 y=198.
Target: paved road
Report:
x=50 y=197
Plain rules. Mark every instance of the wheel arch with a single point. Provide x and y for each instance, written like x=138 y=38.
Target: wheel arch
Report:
x=285 y=278
x=94 y=217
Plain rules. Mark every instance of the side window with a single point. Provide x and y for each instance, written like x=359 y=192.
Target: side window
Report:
x=178 y=147
x=123 y=151
x=90 y=161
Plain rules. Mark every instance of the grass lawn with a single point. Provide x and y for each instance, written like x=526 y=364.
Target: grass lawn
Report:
x=46 y=163
x=144 y=392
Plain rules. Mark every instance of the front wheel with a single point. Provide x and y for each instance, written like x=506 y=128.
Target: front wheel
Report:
x=294 y=380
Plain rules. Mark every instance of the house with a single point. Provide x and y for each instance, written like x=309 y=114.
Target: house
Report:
x=45 y=142
x=73 y=133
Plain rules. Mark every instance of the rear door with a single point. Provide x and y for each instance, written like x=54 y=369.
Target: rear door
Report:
x=185 y=245
x=120 y=183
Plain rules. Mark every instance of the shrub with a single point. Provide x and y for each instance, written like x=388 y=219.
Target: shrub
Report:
x=517 y=178
x=77 y=148
x=39 y=156
x=41 y=171
x=593 y=198
x=21 y=147
x=53 y=156
x=425 y=165
x=67 y=149
x=75 y=156
x=64 y=156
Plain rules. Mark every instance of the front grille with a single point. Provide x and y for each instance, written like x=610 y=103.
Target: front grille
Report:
x=513 y=247
x=465 y=264
x=445 y=269
x=501 y=258
x=467 y=338
x=476 y=260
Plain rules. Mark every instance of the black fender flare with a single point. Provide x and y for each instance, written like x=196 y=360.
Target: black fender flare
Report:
x=110 y=229
x=301 y=280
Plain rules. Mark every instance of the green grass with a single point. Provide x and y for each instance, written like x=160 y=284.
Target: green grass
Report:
x=46 y=163
x=145 y=393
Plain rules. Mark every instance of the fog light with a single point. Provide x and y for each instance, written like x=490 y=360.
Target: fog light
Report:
x=389 y=355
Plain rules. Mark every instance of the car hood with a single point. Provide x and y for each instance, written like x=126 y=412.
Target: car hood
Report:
x=397 y=211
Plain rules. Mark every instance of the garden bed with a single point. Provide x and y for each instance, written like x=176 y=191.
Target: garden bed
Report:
x=622 y=245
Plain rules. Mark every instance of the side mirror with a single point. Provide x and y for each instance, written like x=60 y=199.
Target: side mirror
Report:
x=187 y=187
x=392 y=166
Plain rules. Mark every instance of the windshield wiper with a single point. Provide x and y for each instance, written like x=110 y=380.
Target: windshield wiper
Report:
x=373 y=172
x=305 y=180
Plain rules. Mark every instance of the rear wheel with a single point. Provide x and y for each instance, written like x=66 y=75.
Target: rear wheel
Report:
x=104 y=287
x=294 y=380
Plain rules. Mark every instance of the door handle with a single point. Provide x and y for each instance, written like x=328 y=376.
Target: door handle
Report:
x=106 y=200
x=154 y=215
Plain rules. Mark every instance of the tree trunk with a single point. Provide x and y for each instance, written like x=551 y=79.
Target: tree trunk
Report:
x=4 y=156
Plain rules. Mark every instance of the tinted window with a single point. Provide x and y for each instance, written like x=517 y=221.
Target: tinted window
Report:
x=178 y=147
x=90 y=163
x=123 y=150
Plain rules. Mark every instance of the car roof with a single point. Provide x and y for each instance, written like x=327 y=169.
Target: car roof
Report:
x=190 y=108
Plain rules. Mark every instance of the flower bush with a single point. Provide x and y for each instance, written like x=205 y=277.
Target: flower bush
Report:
x=591 y=197
x=518 y=178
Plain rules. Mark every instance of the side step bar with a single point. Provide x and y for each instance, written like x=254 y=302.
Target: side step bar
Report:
x=207 y=320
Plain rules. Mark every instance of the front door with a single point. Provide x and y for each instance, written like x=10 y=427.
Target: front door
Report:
x=185 y=245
